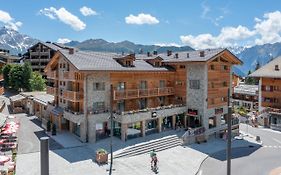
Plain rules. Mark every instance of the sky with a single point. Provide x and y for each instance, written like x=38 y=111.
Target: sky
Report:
x=199 y=24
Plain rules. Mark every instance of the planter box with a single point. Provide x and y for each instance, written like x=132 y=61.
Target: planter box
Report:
x=101 y=158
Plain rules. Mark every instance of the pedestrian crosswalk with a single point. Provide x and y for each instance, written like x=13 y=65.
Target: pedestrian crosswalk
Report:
x=272 y=146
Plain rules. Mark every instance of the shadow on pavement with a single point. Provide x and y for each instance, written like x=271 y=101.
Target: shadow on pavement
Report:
x=53 y=145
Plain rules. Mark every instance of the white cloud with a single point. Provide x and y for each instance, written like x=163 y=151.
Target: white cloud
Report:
x=86 y=11
x=229 y=36
x=141 y=19
x=63 y=40
x=167 y=44
x=9 y=21
x=269 y=28
x=64 y=16
x=205 y=14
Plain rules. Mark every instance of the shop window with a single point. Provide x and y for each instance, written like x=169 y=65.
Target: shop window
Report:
x=194 y=84
x=212 y=122
x=99 y=86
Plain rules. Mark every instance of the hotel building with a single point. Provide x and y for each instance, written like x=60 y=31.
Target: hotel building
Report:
x=269 y=91
x=150 y=92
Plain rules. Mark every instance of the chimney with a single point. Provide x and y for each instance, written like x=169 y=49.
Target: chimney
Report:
x=71 y=51
x=176 y=55
x=187 y=55
x=276 y=67
x=169 y=52
x=148 y=54
x=201 y=53
x=154 y=52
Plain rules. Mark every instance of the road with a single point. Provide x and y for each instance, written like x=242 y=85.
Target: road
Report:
x=248 y=160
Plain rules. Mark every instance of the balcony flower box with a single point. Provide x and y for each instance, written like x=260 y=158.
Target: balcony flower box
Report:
x=101 y=156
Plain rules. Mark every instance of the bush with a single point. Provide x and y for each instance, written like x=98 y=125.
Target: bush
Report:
x=101 y=151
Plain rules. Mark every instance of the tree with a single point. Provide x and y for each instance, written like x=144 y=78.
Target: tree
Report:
x=27 y=74
x=6 y=71
x=16 y=77
x=37 y=82
x=250 y=80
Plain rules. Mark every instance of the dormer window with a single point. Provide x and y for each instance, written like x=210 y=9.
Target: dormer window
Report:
x=276 y=67
x=157 y=64
x=128 y=63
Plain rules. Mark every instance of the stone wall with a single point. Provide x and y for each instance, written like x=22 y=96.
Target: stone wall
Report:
x=196 y=98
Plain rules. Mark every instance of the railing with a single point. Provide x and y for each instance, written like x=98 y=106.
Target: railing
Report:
x=193 y=132
x=52 y=90
x=73 y=96
x=141 y=93
x=98 y=111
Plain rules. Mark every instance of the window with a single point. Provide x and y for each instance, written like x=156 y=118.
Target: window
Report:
x=182 y=66
x=121 y=86
x=143 y=103
x=63 y=65
x=194 y=84
x=212 y=84
x=212 y=67
x=162 y=101
x=224 y=99
x=99 y=86
x=162 y=84
x=224 y=67
x=143 y=85
x=224 y=84
x=121 y=106
x=64 y=101
x=98 y=106
x=212 y=122
x=60 y=65
x=128 y=63
x=63 y=83
x=60 y=100
x=157 y=64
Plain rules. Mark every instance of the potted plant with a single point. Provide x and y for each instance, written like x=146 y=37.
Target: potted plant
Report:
x=48 y=126
x=101 y=156
x=54 y=129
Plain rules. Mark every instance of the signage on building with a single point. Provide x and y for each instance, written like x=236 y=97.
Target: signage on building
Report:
x=192 y=111
x=153 y=114
x=218 y=110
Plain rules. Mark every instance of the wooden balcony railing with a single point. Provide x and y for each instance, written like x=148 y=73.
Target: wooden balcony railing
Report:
x=52 y=90
x=52 y=74
x=141 y=93
x=73 y=96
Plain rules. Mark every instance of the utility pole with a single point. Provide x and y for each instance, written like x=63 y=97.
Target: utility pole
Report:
x=228 y=153
x=111 y=128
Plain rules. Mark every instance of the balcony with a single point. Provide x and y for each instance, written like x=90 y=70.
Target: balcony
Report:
x=76 y=117
x=52 y=74
x=142 y=93
x=52 y=91
x=73 y=96
x=145 y=114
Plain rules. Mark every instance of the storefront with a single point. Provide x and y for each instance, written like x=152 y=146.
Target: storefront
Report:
x=117 y=129
x=76 y=129
x=180 y=119
x=167 y=123
x=102 y=130
x=151 y=126
x=134 y=130
x=193 y=120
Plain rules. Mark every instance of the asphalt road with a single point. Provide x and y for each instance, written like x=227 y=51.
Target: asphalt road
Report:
x=258 y=160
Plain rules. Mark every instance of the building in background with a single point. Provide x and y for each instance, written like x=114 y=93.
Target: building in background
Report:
x=2 y=64
x=270 y=91
x=246 y=96
x=150 y=92
x=40 y=54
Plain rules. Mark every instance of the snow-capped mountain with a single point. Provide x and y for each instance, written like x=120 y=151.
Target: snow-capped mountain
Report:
x=14 y=41
x=237 y=49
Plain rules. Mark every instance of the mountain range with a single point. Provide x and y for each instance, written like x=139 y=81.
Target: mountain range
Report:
x=18 y=43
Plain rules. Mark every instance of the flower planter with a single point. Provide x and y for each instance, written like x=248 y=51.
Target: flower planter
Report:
x=101 y=156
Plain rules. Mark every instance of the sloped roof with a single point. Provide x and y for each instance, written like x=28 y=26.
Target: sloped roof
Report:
x=43 y=98
x=268 y=70
x=105 y=61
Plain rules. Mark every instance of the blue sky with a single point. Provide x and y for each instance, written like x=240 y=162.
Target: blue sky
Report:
x=200 y=24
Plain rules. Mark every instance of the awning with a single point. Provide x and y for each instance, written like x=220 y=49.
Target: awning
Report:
x=57 y=111
x=3 y=119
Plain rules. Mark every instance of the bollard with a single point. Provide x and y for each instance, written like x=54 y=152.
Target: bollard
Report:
x=44 y=155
